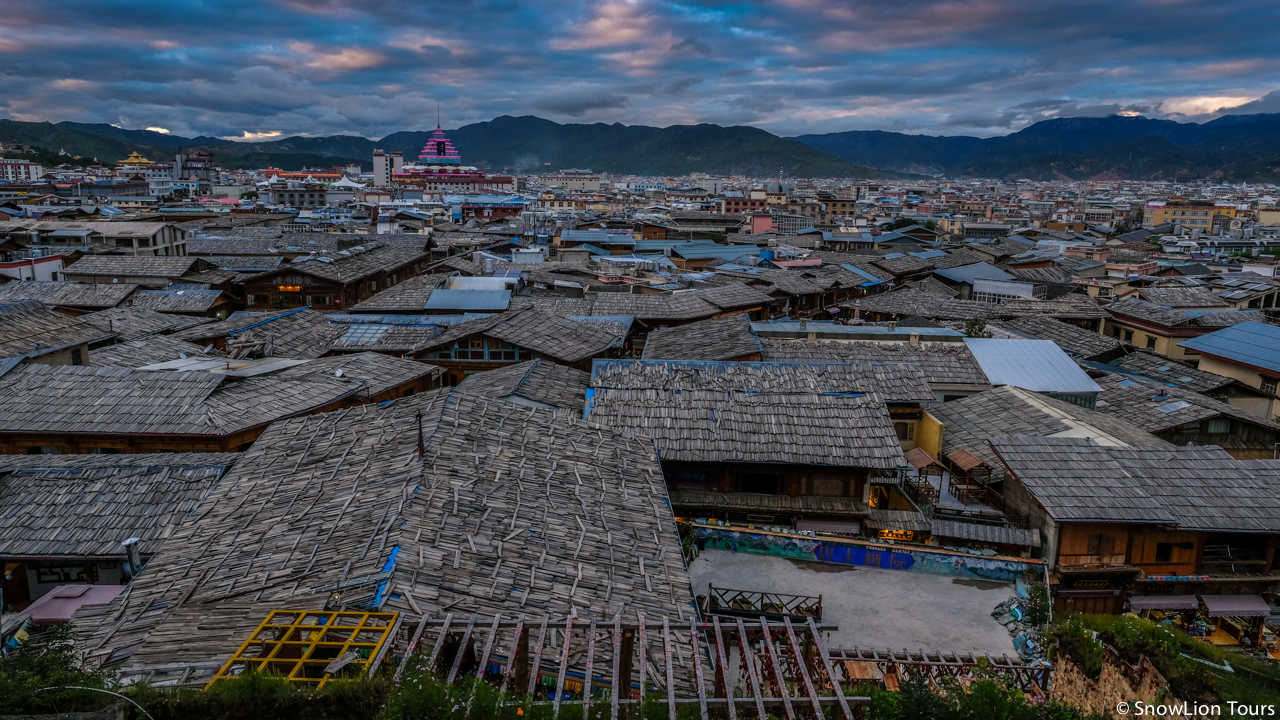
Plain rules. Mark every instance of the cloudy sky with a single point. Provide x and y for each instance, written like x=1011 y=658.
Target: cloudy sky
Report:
x=259 y=68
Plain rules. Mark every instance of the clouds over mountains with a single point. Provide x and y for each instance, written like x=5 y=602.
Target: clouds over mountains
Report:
x=979 y=67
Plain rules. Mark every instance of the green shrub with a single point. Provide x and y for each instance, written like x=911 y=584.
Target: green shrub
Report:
x=1075 y=640
x=36 y=677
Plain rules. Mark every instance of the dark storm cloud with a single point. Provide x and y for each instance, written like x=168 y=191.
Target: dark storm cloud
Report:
x=790 y=66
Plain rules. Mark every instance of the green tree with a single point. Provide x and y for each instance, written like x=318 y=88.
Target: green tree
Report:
x=976 y=328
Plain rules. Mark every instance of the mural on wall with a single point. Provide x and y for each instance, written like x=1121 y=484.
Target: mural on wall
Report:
x=906 y=559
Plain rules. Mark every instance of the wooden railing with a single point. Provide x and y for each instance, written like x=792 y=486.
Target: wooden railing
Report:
x=754 y=604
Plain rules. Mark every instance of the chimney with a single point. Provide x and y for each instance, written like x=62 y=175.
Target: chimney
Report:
x=133 y=556
x=915 y=339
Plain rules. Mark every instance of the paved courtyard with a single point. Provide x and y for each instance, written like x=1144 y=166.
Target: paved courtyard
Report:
x=874 y=608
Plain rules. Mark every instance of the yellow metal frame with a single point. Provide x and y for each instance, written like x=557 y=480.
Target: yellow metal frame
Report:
x=300 y=643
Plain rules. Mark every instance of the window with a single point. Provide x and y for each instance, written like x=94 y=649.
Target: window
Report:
x=1128 y=336
x=1151 y=343
x=1218 y=426
x=1164 y=552
x=77 y=358
x=1101 y=545
x=248 y=299
x=1268 y=385
x=905 y=430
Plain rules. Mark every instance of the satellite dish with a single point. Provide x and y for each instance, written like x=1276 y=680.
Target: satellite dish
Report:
x=338 y=373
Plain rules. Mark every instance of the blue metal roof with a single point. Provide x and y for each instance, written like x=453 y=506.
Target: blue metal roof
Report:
x=968 y=273
x=1249 y=343
x=596 y=236
x=590 y=248
x=1035 y=365
x=492 y=300
x=871 y=279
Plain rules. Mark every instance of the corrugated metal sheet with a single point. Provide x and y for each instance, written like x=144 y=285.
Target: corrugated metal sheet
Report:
x=968 y=273
x=491 y=300
x=1251 y=343
x=1035 y=365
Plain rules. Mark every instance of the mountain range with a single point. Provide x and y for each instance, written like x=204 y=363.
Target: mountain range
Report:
x=1234 y=148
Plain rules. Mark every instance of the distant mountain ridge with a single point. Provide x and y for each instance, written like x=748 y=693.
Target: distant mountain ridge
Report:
x=528 y=144
x=1233 y=147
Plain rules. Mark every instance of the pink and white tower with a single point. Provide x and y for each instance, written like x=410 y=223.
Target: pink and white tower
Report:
x=439 y=151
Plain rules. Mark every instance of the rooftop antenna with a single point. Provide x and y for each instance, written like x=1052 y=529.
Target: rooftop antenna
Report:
x=438 y=115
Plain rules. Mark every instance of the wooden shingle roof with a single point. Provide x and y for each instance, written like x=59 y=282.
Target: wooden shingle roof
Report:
x=1072 y=339
x=63 y=293
x=1196 y=488
x=408 y=296
x=1073 y=482
x=176 y=301
x=302 y=333
x=722 y=338
x=377 y=371
x=130 y=323
x=512 y=508
x=148 y=351
x=538 y=381
x=941 y=362
x=164 y=266
x=706 y=426
x=1154 y=406
x=98 y=400
x=892 y=382
x=30 y=328
x=88 y=511
x=546 y=334
x=1008 y=410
